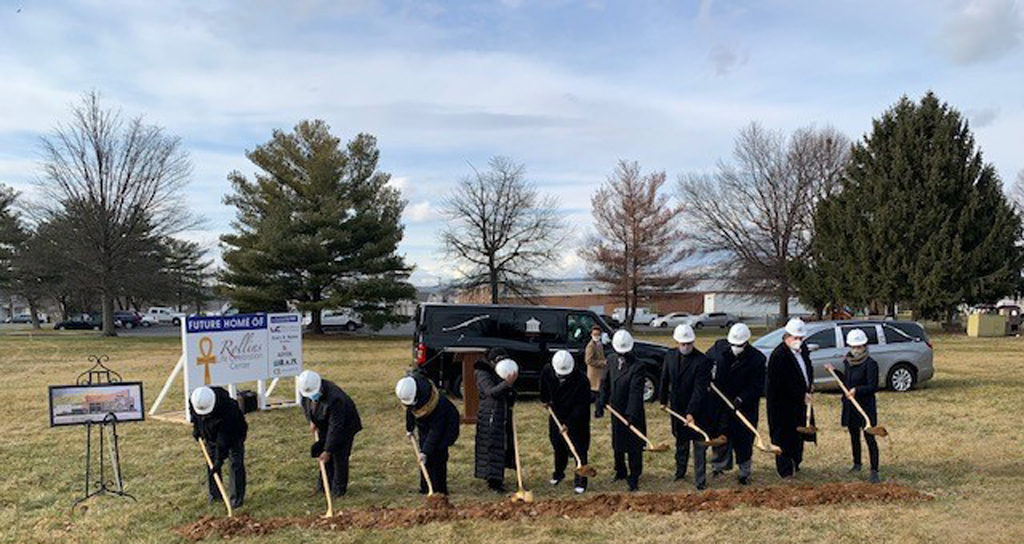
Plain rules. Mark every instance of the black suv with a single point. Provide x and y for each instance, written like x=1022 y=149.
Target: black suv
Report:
x=530 y=334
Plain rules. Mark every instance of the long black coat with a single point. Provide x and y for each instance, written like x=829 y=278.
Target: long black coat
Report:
x=865 y=378
x=685 y=386
x=225 y=426
x=569 y=398
x=439 y=429
x=740 y=378
x=622 y=387
x=785 y=393
x=334 y=414
x=494 y=451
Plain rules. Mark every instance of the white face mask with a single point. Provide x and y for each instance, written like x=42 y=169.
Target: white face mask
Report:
x=736 y=350
x=686 y=349
x=795 y=344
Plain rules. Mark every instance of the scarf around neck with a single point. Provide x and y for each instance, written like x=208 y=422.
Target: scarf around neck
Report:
x=855 y=360
x=428 y=408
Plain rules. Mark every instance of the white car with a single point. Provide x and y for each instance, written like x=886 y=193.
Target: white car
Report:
x=642 y=316
x=157 y=315
x=671 y=320
x=340 y=319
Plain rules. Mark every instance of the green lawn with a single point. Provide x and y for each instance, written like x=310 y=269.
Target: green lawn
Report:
x=957 y=438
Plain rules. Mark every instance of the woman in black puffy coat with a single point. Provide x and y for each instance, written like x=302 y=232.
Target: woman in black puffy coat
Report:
x=493 y=447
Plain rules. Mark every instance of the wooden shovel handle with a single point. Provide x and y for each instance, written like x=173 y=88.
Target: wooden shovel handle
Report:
x=626 y=422
x=565 y=435
x=852 y=399
x=323 y=477
x=423 y=468
x=515 y=444
x=736 y=411
x=216 y=478
x=688 y=424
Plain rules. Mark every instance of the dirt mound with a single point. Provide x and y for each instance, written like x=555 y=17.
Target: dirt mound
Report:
x=602 y=505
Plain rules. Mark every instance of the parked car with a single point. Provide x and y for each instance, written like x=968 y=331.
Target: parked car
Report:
x=127 y=319
x=531 y=334
x=902 y=349
x=340 y=319
x=713 y=319
x=84 y=321
x=671 y=320
x=160 y=314
x=19 y=319
x=641 y=316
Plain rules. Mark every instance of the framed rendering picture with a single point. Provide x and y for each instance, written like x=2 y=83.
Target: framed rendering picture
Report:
x=82 y=404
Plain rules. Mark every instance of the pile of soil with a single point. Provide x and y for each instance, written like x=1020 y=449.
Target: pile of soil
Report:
x=602 y=505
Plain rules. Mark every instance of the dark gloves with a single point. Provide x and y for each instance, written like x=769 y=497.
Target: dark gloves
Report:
x=195 y=433
x=316 y=449
x=598 y=412
x=738 y=401
x=218 y=464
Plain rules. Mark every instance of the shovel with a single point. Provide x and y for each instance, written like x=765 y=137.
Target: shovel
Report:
x=582 y=470
x=759 y=442
x=423 y=468
x=327 y=483
x=522 y=494
x=877 y=430
x=808 y=429
x=651 y=446
x=708 y=441
x=216 y=478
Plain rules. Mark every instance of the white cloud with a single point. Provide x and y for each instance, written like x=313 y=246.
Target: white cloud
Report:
x=983 y=30
x=419 y=212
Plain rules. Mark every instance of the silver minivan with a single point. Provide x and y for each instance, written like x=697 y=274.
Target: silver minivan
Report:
x=901 y=348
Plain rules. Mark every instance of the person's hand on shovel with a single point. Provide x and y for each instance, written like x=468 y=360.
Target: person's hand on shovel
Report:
x=325 y=457
x=808 y=399
x=851 y=393
x=312 y=426
x=689 y=419
x=423 y=458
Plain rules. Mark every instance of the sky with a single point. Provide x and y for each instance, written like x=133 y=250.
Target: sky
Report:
x=565 y=87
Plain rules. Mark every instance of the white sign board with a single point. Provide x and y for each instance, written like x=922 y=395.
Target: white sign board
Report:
x=225 y=350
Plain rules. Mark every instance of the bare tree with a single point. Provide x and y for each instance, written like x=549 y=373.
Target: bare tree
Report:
x=757 y=211
x=114 y=187
x=503 y=228
x=638 y=244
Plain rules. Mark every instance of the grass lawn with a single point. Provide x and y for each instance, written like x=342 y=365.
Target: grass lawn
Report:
x=957 y=438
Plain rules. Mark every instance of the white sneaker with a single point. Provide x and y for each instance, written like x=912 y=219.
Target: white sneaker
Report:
x=579 y=490
x=555 y=482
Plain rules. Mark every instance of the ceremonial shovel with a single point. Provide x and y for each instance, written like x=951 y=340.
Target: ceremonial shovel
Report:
x=718 y=441
x=583 y=470
x=216 y=478
x=808 y=429
x=651 y=446
x=522 y=494
x=877 y=430
x=327 y=483
x=758 y=440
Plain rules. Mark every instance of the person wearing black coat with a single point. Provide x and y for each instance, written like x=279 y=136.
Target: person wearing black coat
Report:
x=224 y=431
x=790 y=381
x=566 y=390
x=334 y=416
x=437 y=420
x=622 y=387
x=493 y=448
x=685 y=382
x=740 y=375
x=860 y=376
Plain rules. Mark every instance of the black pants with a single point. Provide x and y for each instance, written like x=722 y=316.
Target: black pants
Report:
x=337 y=468
x=684 y=438
x=635 y=464
x=580 y=440
x=437 y=468
x=792 y=455
x=236 y=489
x=872 y=446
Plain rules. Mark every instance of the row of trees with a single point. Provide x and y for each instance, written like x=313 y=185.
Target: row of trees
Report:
x=910 y=216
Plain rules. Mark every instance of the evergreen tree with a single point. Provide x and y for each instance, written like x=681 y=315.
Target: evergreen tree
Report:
x=317 y=227
x=920 y=219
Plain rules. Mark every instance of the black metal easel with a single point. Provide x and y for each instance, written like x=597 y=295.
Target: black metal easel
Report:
x=100 y=374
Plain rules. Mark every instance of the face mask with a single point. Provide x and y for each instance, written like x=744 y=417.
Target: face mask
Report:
x=795 y=344
x=686 y=349
x=736 y=350
x=595 y=337
x=315 y=396
x=858 y=351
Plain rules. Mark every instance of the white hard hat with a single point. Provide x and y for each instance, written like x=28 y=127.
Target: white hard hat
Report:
x=405 y=390
x=506 y=368
x=622 y=342
x=796 y=327
x=309 y=383
x=684 y=334
x=563 y=362
x=203 y=400
x=739 y=334
x=856 y=338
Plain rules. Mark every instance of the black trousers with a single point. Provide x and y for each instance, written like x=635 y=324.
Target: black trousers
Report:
x=337 y=468
x=563 y=455
x=633 y=459
x=855 y=433
x=236 y=489
x=437 y=468
x=792 y=455
x=684 y=438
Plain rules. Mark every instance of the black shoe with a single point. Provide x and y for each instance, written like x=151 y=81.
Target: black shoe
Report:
x=875 y=478
x=680 y=476
x=634 y=487
x=854 y=468
x=423 y=491
x=497 y=487
x=744 y=480
x=716 y=473
x=618 y=477
x=236 y=504
x=702 y=486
